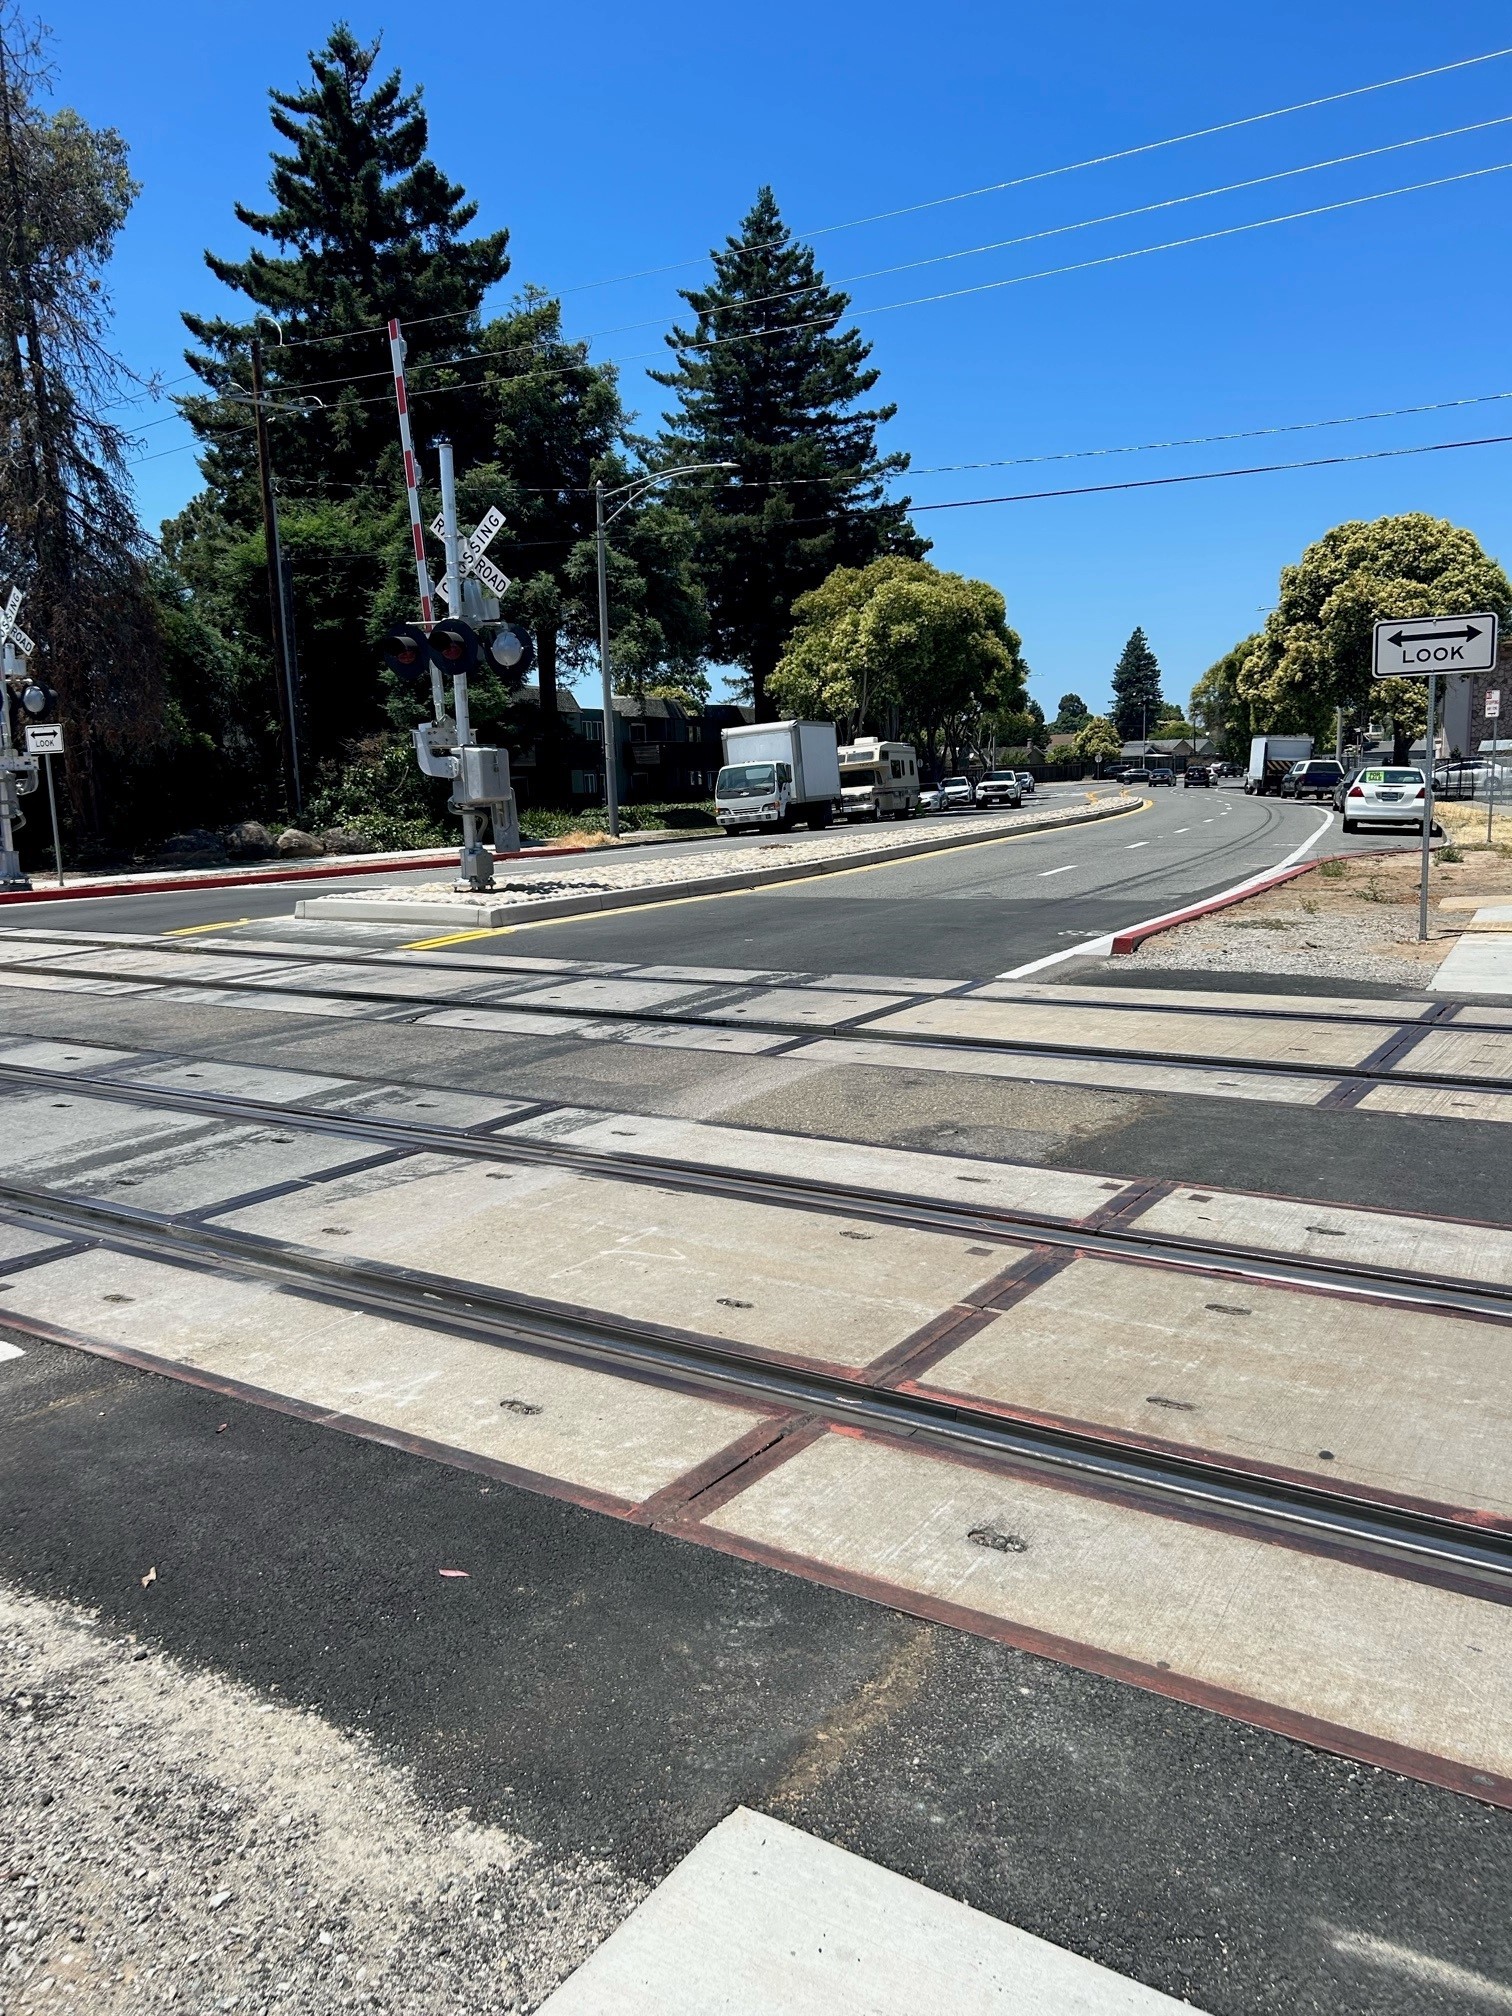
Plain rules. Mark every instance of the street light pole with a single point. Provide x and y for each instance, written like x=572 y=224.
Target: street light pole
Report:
x=611 y=739
x=627 y=493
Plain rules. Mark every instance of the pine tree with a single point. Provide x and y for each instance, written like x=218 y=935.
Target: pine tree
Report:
x=765 y=381
x=1070 y=714
x=365 y=227
x=1136 y=688
x=362 y=226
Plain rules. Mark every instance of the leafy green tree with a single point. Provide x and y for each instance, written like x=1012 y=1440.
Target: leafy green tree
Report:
x=1314 y=652
x=1072 y=712
x=1097 y=740
x=900 y=641
x=1217 y=708
x=763 y=380
x=1136 y=688
x=69 y=537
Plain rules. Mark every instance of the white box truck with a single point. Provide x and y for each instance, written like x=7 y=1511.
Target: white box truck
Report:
x=878 y=779
x=776 y=773
x=1271 y=756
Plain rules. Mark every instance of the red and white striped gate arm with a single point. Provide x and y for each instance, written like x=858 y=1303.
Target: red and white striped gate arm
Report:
x=411 y=475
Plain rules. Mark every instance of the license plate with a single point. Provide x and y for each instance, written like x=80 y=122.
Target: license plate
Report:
x=1390 y=797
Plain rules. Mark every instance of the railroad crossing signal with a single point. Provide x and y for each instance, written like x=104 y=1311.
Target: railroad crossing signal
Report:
x=470 y=556
x=1424 y=647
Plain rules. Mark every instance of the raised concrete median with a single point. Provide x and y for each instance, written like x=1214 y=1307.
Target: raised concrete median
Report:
x=616 y=884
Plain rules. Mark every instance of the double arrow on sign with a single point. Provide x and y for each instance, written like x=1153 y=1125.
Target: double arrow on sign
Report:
x=1400 y=637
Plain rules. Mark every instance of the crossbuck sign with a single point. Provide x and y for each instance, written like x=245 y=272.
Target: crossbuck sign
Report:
x=470 y=555
x=10 y=630
x=1420 y=647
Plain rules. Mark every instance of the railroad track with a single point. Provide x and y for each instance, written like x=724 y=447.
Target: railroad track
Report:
x=402 y=1004
x=1464 y=1549
x=1451 y=1551
x=1000 y=1223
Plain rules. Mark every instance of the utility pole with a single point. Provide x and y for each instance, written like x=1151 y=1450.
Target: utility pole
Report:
x=11 y=876
x=283 y=659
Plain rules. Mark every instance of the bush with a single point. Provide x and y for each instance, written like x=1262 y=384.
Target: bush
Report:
x=541 y=822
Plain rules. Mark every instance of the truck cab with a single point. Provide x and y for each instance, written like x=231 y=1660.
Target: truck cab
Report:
x=776 y=773
x=755 y=795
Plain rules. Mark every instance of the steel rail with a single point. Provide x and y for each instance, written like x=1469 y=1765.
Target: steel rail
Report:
x=1003 y=1224
x=868 y=1032
x=1340 y=1520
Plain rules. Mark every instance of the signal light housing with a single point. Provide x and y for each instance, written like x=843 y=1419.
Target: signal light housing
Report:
x=512 y=652
x=454 y=646
x=407 y=653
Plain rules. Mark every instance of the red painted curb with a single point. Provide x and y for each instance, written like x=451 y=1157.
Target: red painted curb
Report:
x=1130 y=941
x=161 y=885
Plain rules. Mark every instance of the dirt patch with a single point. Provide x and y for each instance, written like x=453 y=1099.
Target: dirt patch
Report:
x=170 y=1840
x=1352 y=919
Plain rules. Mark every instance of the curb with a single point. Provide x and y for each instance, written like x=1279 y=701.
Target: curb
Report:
x=490 y=916
x=1130 y=941
x=351 y=864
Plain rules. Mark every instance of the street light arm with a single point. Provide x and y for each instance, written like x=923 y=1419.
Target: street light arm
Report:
x=639 y=485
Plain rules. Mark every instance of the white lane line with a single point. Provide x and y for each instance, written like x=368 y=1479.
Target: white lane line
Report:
x=1423 y=1968
x=10 y=1351
x=1183 y=829
x=1101 y=947
x=1135 y=843
x=1057 y=871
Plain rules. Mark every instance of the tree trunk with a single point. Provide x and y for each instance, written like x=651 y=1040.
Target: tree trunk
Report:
x=1401 y=743
x=763 y=664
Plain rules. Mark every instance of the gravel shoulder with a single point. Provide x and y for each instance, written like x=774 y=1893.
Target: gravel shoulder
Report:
x=171 y=1840
x=1354 y=918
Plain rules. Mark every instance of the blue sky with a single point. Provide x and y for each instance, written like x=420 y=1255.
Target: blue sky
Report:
x=611 y=139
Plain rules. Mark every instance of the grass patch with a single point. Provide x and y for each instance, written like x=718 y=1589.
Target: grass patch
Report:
x=542 y=822
x=1333 y=871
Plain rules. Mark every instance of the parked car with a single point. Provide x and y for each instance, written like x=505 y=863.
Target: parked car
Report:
x=1386 y=795
x=1341 y=789
x=1163 y=776
x=932 y=798
x=959 y=792
x=1000 y=787
x=1315 y=778
x=1136 y=774
x=1195 y=775
x=1026 y=783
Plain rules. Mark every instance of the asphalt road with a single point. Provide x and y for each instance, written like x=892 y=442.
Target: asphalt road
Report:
x=964 y=914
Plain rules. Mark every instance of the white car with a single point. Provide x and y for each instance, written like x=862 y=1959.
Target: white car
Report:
x=958 y=793
x=1026 y=783
x=1386 y=796
x=932 y=798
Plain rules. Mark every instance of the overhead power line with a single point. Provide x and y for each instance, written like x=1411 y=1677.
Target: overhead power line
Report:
x=1074 y=167
x=1216 y=475
x=965 y=195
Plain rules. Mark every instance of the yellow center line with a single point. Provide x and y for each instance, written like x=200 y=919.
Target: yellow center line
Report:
x=192 y=930
x=765 y=889
x=455 y=938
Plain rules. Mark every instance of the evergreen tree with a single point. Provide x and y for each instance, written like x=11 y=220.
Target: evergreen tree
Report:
x=1136 y=689
x=1072 y=712
x=363 y=226
x=764 y=380
x=366 y=227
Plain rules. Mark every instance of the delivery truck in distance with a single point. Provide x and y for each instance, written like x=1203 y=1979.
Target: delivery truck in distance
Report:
x=1271 y=756
x=776 y=773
